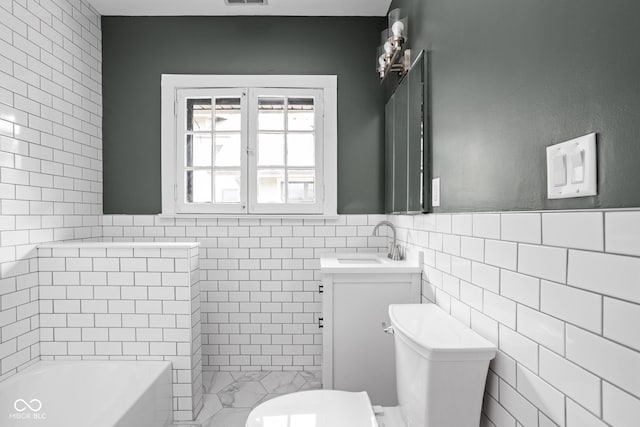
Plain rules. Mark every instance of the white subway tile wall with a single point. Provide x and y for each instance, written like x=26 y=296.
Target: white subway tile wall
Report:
x=623 y=233
x=259 y=281
x=144 y=306
x=559 y=293
x=578 y=230
x=50 y=152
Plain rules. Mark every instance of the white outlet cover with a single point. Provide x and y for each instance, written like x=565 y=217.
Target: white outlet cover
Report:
x=435 y=192
x=580 y=168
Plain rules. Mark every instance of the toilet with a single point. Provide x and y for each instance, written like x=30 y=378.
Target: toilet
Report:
x=441 y=370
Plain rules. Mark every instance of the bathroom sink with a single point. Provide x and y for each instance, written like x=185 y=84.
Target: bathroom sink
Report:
x=367 y=263
x=359 y=260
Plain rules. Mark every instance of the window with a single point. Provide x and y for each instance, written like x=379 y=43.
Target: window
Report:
x=249 y=145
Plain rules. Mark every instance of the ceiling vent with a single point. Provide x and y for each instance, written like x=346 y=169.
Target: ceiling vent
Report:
x=245 y=2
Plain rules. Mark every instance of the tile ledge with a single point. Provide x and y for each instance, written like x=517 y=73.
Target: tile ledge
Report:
x=120 y=245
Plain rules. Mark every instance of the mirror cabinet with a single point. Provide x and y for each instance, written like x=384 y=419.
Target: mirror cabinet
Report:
x=406 y=148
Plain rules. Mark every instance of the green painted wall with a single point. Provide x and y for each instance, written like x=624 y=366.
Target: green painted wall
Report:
x=137 y=50
x=510 y=77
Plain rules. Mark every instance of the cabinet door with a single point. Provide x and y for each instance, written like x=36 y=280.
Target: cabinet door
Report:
x=400 y=146
x=388 y=155
x=415 y=139
x=363 y=355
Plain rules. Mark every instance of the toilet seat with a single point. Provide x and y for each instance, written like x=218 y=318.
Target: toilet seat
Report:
x=315 y=408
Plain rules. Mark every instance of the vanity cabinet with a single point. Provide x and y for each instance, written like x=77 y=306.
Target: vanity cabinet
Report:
x=357 y=354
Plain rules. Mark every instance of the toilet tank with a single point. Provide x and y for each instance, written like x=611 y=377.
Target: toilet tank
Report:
x=441 y=367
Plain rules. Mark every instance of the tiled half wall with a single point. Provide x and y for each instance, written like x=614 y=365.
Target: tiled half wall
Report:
x=259 y=281
x=122 y=301
x=559 y=293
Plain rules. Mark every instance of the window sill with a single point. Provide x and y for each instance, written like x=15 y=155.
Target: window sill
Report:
x=249 y=216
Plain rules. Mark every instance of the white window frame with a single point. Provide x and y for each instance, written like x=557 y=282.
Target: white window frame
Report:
x=301 y=208
x=180 y=205
x=326 y=159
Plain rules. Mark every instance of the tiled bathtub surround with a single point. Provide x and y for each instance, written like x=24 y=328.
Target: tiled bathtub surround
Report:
x=122 y=301
x=259 y=281
x=559 y=293
x=50 y=151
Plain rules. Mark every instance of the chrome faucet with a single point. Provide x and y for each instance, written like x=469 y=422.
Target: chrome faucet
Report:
x=395 y=252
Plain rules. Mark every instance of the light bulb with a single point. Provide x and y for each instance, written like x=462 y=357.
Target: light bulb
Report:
x=397 y=28
x=388 y=48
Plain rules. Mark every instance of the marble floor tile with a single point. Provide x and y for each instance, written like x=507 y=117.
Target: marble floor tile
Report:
x=283 y=382
x=311 y=375
x=311 y=385
x=242 y=394
x=211 y=406
x=219 y=381
x=229 y=417
x=249 y=375
x=230 y=396
x=270 y=396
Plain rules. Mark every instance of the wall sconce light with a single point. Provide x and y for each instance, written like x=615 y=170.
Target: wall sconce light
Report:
x=392 y=53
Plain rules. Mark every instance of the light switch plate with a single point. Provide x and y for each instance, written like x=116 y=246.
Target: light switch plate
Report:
x=435 y=192
x=578 y=159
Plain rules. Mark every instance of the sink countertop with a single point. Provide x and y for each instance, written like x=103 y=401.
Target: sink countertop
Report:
x=339 y=263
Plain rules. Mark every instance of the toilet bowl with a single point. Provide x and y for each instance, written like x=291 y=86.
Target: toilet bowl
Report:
x=441 y=370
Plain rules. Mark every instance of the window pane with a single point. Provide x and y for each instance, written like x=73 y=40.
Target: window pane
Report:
x=227 y=185
x=300 y=149
x=198 y=186
x=271 y=149
x=301 y=114
x=199 y=114
x=271 y=113
x=228 y=117
x=228 y=149
x=199 y=150
x=271 y=186
x=301 y=186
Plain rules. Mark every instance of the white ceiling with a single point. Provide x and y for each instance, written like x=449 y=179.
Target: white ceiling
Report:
x=219 y=8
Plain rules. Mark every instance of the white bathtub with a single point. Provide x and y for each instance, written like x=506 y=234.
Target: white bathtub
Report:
x=88 y=393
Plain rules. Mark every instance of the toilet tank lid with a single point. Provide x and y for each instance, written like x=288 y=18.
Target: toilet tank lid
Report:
x=438 y=334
